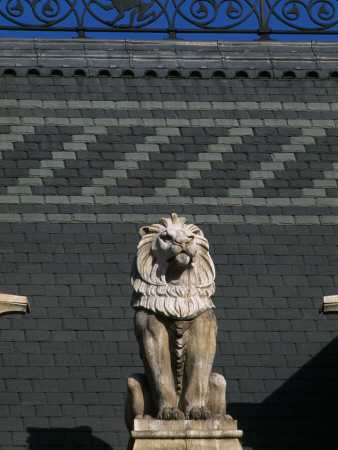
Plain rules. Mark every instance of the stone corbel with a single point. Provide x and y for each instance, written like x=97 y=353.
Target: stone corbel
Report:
x=329 y=305
x=13 y=304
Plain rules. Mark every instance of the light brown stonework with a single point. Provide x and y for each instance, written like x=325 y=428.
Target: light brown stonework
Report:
x=152 y=434
x=173 y=279
x=11 y=304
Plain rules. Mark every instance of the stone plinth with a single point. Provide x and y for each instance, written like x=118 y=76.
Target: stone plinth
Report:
x=151 y=434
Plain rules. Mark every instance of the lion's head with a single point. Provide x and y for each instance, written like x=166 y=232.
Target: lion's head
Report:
x=173 y=274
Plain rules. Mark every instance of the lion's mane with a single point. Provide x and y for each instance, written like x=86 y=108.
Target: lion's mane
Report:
x=148 y=277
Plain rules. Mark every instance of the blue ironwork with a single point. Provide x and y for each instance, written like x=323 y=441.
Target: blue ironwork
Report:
x=262 y=17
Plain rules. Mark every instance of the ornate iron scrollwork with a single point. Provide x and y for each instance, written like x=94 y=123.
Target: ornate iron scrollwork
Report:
x=35 y=13
x=311 y=16
x=215 y=15
x=263 y=17
x=126 y=14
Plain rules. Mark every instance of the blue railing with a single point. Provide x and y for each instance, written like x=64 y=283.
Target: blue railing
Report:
x=171 y=17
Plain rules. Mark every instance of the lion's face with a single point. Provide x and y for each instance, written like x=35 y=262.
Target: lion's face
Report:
x=173 y=274
x=176 y=246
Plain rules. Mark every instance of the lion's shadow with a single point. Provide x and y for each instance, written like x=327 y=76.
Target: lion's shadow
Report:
x=79 y=438
x=301 y=414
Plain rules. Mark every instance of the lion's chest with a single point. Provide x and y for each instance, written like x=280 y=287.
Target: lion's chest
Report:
x=174 y=303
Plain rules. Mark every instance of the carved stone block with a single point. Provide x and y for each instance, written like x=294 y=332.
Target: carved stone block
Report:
x=12 y=304
x=330 y=304
x=151 y=434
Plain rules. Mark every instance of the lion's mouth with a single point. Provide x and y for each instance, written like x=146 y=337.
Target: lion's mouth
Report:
x=182 y=258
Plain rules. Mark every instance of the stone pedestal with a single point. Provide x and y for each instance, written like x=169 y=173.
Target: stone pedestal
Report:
x=151 y=434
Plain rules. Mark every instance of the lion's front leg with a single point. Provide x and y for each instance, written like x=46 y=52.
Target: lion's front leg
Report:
x=153 y=340
x=201 y=349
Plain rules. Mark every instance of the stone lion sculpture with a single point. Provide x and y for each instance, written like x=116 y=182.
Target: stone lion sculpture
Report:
x=175 y=326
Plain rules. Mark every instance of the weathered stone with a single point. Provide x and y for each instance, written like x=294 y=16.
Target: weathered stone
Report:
x=173 y=280
x=12 y=304
x=186 y=434
x=330 y=304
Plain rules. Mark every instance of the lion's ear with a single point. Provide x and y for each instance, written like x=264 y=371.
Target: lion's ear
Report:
x=150 y=229
x=143 y=231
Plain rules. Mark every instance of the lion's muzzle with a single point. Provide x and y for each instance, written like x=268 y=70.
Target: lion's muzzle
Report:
x=184 y=251
x=182 y=259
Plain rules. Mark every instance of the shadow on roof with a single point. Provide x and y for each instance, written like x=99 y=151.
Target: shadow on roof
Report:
x=301 y=414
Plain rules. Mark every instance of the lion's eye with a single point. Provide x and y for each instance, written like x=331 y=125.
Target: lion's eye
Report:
x=166 y=237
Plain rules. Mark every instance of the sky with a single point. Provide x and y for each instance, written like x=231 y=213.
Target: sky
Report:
x=241 y=16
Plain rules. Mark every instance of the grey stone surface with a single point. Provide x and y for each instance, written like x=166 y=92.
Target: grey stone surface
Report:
x=207 y=57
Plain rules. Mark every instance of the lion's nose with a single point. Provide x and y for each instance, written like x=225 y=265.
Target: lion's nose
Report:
x=182 y=239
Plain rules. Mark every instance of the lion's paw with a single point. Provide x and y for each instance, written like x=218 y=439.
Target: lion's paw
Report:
x=200 y=413
x=170 y=413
